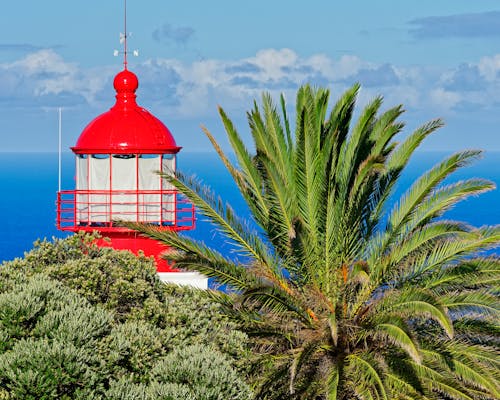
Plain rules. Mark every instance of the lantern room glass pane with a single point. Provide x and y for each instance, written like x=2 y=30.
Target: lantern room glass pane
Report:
x=168 y=199
x=124 y=186
x=82 y=185
x=149 y=182
x=148 y=172
x=98 y=181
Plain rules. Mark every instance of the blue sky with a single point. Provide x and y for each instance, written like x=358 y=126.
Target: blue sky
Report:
x=438 y=58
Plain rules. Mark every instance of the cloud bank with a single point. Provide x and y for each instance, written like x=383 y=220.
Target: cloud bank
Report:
x=191 y=90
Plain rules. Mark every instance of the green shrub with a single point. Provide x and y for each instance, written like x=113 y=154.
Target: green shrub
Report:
x=199 y=320
x=132 y=348
x=48 y=340
x=125 y=390
x=206 y=372
x=80 y=322
x=128 y=286
x=25 y=303
x=118 y=280
x=76 y=321
x=48 y=369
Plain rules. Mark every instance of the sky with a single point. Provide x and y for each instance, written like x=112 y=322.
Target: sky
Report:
x=440 y=59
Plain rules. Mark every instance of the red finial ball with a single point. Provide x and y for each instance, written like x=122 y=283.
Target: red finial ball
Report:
x=126 y=81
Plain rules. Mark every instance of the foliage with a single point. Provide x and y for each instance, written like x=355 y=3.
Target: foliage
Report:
x=101 y=334
x=205 y=374
x=133 y=347
x=119 y=281
x=128 y=286
x=348 y=296
x=51 y=338
x=125 y=390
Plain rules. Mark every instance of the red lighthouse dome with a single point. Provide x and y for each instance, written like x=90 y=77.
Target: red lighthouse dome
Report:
x=126 y=128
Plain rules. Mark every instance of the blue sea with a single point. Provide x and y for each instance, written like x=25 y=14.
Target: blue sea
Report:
x=29 y=183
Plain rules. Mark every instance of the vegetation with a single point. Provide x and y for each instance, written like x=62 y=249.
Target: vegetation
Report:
x=349 y=293
x=80 y=322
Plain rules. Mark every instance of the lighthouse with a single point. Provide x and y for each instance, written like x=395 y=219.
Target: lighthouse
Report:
x=118 y=157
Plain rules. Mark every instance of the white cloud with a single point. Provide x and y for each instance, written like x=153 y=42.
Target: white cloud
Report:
x=272 y=62
x=43 y=61
x=322 y=63
x=444 y=99
x=407 y=95
x=489 y=67
x=191 y=90
x=45 y=73
x=346 y=67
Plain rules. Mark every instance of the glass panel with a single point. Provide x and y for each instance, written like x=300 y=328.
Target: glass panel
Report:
x=168 y=199
x=124 y=178
x=82 y=183
x=98 y=180
x=149 y=180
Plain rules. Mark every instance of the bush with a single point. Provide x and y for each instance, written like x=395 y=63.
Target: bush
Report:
x=132 y=348
x=49 y=349
x=125 y=390
x=43 y=369
x=128 y=286
x=79 y=322
x=25 y=303
x=204 y=371
x=117 y=280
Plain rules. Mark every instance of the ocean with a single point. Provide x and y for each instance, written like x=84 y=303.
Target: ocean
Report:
x=29 y=184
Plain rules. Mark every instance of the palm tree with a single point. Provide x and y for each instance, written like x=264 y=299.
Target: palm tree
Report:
x=346 y=295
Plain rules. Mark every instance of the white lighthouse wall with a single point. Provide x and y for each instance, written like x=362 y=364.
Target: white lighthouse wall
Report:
x=99 y=174
x=194 y=279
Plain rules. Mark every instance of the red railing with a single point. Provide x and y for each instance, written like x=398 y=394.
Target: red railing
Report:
x=102 y=209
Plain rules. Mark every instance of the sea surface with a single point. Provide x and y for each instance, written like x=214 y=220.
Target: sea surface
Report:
x=29 y=182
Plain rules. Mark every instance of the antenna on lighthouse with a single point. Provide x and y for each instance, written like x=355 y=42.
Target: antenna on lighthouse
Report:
x=125 y=34
x=123 y=39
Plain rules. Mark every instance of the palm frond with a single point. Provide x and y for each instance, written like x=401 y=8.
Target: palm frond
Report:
x=301 y=357
x=368 y=378
x=397 y=336
x=223 y=217
x=481 y=302
x=425 y=185
x=402 y=388
x=385 y=128
x=332 y=384
x=249 y=182
x=397 y=162
x=421 y=239
x=277 y=301
x=194 y=256
x=450 y=250
x=414 y=303
x=442 y=199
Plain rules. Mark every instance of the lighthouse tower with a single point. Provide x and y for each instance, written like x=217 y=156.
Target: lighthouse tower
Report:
x=118 y=156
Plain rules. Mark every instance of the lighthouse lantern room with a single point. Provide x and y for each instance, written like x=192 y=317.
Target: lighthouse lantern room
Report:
x=118 y=157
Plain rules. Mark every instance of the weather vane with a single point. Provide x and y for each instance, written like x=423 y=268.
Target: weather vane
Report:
x=123 y=40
